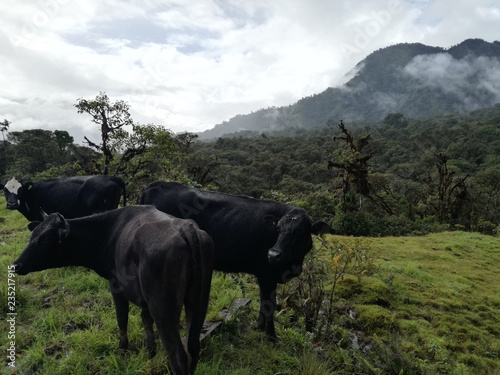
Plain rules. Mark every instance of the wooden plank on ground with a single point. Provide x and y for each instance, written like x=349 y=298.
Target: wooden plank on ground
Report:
x=212 y=328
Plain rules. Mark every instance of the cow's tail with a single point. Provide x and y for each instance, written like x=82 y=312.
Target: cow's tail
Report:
x=198 y=290
x=203 y=254
x=121 y=183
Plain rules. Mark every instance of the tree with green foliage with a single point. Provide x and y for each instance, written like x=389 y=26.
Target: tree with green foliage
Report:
x=202 y=167
x=32 y=151
x=45 y=153
x=185 y=140
x=396 y=120
x=63 y=140
x=147 y=149
x=111 y=117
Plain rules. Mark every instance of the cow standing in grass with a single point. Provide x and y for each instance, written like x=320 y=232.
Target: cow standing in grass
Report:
x=70 y=196
x=151 y=259
x=267 y=239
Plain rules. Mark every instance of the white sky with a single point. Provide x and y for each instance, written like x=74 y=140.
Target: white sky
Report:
x=189 y=65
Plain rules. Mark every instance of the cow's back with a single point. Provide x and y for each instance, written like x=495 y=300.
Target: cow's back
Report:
x=59 y=195
x=148 y=233
x=101 y=193
x=154 y=245
x=77 y=196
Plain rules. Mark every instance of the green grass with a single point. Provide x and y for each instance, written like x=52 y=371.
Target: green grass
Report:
x=446 y=299
x=430 y=305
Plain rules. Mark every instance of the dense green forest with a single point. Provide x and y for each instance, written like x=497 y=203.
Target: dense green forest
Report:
x=398 y=176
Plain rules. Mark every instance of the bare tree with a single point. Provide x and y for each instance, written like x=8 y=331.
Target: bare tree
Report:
x=451 y=193
x=4 y=128
x=352 y=160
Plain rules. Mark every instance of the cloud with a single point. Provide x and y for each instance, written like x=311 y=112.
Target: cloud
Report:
x=474 y=80
x=192 y=65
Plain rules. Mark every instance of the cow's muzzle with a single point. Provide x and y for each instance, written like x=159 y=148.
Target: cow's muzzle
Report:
x=274 y=256
x=12 y=206
x=17 y=268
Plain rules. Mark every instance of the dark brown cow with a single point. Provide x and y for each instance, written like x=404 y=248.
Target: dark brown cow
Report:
x=151 y=259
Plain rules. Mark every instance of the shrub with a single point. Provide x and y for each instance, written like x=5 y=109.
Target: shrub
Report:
x=312 y=295
x=351 y=224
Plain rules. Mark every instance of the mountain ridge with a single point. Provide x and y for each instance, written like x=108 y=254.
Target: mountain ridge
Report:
x=409 y=78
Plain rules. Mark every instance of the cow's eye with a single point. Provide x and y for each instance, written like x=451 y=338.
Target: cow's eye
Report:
x=45 y=239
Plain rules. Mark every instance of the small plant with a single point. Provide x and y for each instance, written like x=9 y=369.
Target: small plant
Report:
x=351 y=257
x=312 y=295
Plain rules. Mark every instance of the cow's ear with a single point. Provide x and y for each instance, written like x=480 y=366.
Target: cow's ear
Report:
x=1 y=186
x=320 y=227
x=63 y=228
x=271 y=222
x=33 y=225
x=27 y=185
x=63 y=234
x=43 y=213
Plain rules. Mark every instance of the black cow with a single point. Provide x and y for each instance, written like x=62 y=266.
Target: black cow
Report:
x=265 y=238
x=71 y=196
x=151 y=259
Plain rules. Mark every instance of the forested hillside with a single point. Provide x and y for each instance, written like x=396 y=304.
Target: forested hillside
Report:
x=411 y=175
x=412 y=79
x=397 y=176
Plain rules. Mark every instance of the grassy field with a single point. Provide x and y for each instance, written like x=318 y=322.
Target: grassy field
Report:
x=427 y=305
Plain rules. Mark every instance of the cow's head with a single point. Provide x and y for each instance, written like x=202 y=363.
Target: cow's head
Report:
x=46 y=247
x=294 y=238
x=15 y=192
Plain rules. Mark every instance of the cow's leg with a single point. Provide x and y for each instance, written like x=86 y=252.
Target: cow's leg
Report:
x=147 y=320
x=166 y=312
x=121 y=308
x=194 y=324
x=165 y=300
x=267 y=307
x=196 y=305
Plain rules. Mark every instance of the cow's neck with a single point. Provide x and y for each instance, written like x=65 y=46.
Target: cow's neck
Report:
x=87 y=245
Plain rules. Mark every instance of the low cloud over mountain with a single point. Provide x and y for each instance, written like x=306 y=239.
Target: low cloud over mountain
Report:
x=412 y=79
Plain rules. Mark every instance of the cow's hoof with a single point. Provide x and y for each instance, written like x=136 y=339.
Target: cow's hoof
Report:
x=123 y=345
x=272 y=338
